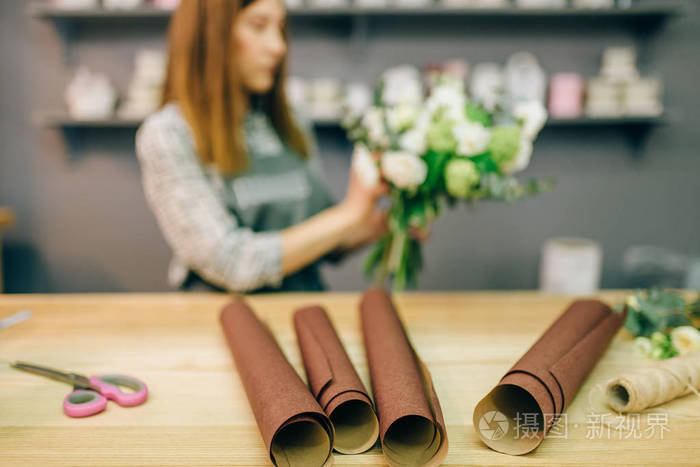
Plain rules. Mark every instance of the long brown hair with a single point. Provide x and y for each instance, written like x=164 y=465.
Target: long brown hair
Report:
x=200 y=79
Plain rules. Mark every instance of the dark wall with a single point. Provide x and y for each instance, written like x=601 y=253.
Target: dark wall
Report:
x=83 y=224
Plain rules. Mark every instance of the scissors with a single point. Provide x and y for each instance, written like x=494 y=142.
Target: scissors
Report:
x=90 y=395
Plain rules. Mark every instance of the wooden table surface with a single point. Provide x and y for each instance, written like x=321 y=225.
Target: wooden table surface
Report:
x=197 y=413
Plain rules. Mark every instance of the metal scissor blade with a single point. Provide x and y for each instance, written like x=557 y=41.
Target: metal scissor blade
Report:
x=69 y=378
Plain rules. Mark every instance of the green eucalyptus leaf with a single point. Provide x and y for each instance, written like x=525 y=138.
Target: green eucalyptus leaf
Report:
x=657 y=311
x=635 y=324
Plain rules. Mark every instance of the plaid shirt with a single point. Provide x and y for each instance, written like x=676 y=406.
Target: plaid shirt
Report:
x=201 y=213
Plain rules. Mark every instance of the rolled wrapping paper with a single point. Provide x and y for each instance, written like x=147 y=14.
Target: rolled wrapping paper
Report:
x=411 y=427
x=639 y=390
x=335 y=383
x=546 y=379
x=293 y=426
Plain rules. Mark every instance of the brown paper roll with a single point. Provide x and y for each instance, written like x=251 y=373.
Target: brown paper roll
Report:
x=411 y=427
x=294 y=428
x=517 y=414
x=335 y=383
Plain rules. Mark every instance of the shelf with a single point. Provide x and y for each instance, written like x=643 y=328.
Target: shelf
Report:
x=50 y=12
x=326 y=122
x=62 y=120
x=606 y=121
x=59 y=120
x=656 y=12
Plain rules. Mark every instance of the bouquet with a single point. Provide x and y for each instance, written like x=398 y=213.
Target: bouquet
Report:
x=662 y=322
x=434 y=145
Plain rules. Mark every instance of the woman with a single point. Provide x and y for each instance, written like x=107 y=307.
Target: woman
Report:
x=233 y=182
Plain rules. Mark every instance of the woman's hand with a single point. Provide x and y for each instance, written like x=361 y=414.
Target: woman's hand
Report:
x=368 y=221
x=360 y=200
x=353 y=222
x=368 y=232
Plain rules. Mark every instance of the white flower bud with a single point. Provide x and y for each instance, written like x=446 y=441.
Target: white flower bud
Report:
x=373 y=121
x=403 y=169
x=364 y=165
x=521 y=159
x=472 y=138
x=686 y=339
x=532 y=116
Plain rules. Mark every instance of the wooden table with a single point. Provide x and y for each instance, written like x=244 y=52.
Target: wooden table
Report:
x=197 y=413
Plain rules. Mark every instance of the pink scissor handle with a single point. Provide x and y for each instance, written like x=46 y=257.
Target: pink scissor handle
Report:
x=83 y=403
x=109 y=387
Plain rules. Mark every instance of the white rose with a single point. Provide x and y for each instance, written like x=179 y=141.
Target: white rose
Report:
x=401 y=117
x=402 y=85
x=364 y=165
x=521 y=159
x=686 y=339
x=409 y=93
x=450 y=98
x=373 y=121
x=643 y=346
x=532 y=116
x=423 y=119
x=472 y=138
x=414 y=141
x=403 y=169
x=402 y=73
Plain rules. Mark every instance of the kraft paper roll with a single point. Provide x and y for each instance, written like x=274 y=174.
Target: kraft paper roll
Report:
x=546 y=379
x=335 y=383
x=411 y=426
x=293 y=426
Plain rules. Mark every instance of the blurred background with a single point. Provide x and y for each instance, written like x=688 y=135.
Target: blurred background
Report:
x=620 y=78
